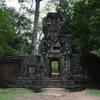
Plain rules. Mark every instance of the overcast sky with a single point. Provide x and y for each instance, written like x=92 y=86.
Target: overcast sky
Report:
x=15 y=4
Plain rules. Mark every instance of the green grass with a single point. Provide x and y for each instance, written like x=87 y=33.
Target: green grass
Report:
x=11 y=93
x=94 y=92
x=8 y=96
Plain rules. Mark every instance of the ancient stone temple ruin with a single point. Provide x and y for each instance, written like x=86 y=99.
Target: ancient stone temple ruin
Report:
x=37 y=71
x=56 y=46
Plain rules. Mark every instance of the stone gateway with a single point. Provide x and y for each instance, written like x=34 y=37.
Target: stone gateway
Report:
x=37 y=71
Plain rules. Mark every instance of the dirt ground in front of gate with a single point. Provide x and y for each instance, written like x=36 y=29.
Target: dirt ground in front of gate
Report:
x=58 y=94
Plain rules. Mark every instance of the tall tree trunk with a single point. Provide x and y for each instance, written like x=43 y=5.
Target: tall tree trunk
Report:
x=35 y=29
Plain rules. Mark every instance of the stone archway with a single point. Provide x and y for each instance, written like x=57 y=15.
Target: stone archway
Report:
x=55 y=67
x=59 y=60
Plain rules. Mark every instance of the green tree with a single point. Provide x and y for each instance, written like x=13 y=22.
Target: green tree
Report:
x=82 y=23
x=35 y=29
x=85 y=22
x=36 y=21
x=15 y=31
x=23 y=27
x=7 y=34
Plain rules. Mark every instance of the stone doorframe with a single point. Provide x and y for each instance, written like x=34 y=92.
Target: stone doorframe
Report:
x=54 y=59
x=61 y=64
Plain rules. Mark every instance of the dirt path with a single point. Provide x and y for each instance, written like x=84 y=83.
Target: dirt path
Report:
x=58 y=94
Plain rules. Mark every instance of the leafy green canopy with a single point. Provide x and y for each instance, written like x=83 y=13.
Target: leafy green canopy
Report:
x=15 y=31
x=7 y=33
x=82 y=22
x=86 y=21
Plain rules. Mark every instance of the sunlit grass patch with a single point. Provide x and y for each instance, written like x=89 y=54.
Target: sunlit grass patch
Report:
x=11 y=93
x=94 y=91
x=8 y=96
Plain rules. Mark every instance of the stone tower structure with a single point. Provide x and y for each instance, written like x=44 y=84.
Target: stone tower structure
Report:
x=56 y=46
x=54 y=38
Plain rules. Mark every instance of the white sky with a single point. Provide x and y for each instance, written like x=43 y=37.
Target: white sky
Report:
x=16 y=5
x=12 y=3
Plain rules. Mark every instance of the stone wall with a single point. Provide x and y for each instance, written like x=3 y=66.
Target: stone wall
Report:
x=27 y=71
x=9 y=70
x=22 y=71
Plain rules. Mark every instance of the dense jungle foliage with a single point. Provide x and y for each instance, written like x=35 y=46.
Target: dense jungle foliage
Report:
x=82 y=23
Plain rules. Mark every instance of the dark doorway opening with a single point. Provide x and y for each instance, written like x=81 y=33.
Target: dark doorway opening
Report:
x=55 y=68
x=93 y=70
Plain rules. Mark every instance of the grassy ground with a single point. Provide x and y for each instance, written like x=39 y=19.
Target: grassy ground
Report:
x=94 y=92
x=11 y=93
